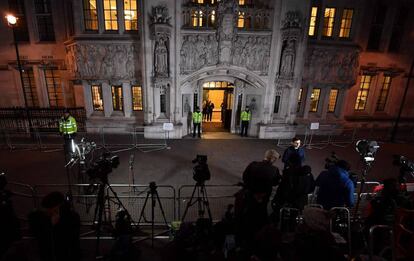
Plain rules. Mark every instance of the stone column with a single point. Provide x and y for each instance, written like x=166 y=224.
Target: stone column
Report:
x=307 y=101
x=101 y=19
x=87 y=93
x=340 y=103
x=127 y=93
x=121 y=17
x=107 y=99
x=325 y=101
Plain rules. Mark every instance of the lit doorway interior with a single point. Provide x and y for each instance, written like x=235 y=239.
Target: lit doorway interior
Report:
x=219 y=96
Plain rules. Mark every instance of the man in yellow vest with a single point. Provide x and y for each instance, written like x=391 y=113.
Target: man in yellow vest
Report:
x=245 y=117
x=197 y=118
x=68 y=128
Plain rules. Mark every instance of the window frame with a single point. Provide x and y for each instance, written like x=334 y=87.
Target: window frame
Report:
x=343 y=28
x=316 y=22
x=385 y=89
x=112 y=13
x=330 y=109
x=44 y=21
x=317 y=100
x=330 y=21
x=19 y=10
x=131 y=21
x=300 y=100
x=132 y=97
x=93 y=97
x=117 y=100
x=56 y=81
x=30 y=89
x=88 y=17
x=363 y=91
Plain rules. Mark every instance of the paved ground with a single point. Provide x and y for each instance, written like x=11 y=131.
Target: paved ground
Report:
x=227 y=160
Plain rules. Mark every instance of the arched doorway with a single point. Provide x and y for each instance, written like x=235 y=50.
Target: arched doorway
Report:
x=217 y=105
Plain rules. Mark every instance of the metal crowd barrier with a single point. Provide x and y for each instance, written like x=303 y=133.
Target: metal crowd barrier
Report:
x=388 y=245
x=340 y=223
x=23 y=199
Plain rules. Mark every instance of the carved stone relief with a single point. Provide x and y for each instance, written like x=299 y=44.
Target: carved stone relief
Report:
x=161 y=64
x=198 y=51
x=160 y=15
x=252 y=52
x=331 y=65
x=102 y=61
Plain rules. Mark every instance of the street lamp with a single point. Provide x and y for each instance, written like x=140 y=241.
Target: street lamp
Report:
x=12 y=22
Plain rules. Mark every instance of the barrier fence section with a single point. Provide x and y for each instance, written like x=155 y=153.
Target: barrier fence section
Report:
x=132 y=197
x=219 y=197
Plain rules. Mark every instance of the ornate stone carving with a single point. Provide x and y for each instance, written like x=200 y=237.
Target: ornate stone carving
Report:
x=327 y=65
x=226 y=13
x=252 y=52
x=293 y=19
x=102 y=61
x=288 y=59
x=160 y=15
x=161 y=64
x=198 y=51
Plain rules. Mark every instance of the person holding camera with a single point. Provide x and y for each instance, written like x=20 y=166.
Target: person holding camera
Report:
x=334 y=187
x=293 y=149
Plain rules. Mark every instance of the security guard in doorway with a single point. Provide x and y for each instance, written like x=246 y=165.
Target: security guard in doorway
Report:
x=197 y=118
x=68 y=128
x=245 y=117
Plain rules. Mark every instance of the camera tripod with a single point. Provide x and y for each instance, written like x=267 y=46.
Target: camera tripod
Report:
x=365 y=171
x=102 y=197
x=201 y=200
x=152 y=191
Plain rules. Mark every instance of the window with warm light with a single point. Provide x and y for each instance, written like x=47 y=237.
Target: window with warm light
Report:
x=328 y=22
x=97 y=98
x=198 y=1
x=312 y=22
x=130 y=15
x=218 y=85
x=110 y=15
x=333 y=97
x=54 y=87
x=299 y=99
x=137 y=98
x=240 y=20
x=316 y=93
x=18 y=9
x=117 y=98
x=29 y=86
x=362 y=97
x=197 y=18
x=346 y=23
x=383 y=96
x=242 y=2
x=212 y=19
x=90 y=15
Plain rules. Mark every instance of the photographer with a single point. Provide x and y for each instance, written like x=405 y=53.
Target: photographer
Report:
x=334 y=187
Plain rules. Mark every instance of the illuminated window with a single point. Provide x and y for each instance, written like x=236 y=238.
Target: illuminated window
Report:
x=97 y=98
x=212 y=19
x=197 y=18
x=240 y=20
x=333 y=97
x=313 y=19
x=346 y=23
x=137 y=98
x=117 y=98
x=90 y=15
x=315 y=100
x=30 y=87
x=18 y=9
x=362 y=96
x=54 y=87
x=245 y=2
x=383 y=96
x=130 y=15
x=328 y=22
x=198 y=1
x=299 y=99
x=110 y=15
x=217 y=85
x=44 y=20
x=242 y=2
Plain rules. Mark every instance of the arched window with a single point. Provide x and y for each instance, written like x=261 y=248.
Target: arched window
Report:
x=212 y=19
x=240 y=20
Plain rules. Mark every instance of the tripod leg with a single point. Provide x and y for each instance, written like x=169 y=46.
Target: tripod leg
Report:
x=152 y=218
x=189 y=203
x=98 y=219
x=205 y=201
x=142 y=214
x=162 y=210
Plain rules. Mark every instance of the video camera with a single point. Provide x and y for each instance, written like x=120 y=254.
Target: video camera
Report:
x=367 y=150
x=406 y=166
x=101 y=168
x=201 y=173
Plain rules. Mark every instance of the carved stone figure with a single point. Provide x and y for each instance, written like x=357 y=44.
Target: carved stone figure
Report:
x=161 y=57
x=160 y=15
x=288 y=59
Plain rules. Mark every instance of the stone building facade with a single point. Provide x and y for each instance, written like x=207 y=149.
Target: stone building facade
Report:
x=144 y=63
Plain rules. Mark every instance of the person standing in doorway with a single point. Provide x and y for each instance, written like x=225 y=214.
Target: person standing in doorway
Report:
x=68 y=129
x=197 y=117
x=245 y=117
x=210 y=111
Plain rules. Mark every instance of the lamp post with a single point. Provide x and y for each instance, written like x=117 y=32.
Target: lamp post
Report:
x=12 y=22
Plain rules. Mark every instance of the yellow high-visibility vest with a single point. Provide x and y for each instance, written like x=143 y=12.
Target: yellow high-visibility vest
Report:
x=245 y=116
x=197 y=117
x=68 y=126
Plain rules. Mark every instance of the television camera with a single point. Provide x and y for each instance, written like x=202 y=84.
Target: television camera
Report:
x=101 y=168
x=201 y=172
x=406 y=167
x=367 y=150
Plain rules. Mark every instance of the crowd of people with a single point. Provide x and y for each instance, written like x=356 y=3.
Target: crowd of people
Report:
x=254 y=227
